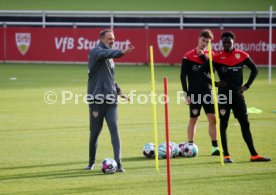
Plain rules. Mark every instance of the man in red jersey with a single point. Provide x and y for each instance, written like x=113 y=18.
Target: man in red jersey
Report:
x=197 y=90
x=229 y=64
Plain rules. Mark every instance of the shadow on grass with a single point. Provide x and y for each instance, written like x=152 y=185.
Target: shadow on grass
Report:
x=43 y=165
x=226 y=178
x=53 y=174
x=45 y=128
x=142 y=158
x=135 y=158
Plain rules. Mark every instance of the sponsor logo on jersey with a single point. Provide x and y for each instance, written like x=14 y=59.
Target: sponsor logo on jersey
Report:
x=195 y=67
x=23 y=42
x=165 y=44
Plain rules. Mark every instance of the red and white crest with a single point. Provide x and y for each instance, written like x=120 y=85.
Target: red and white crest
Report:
x=195 y=111
x=23 y=42
x=222 y=112
x=95 y=114
x=165 y=44
x=237 y=55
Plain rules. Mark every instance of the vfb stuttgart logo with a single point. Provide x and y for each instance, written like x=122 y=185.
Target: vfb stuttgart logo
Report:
x=165 y=44
x=23 y=42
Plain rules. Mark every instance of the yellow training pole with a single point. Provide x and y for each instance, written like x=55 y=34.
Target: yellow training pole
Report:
x=215 y=101
x=154 y=108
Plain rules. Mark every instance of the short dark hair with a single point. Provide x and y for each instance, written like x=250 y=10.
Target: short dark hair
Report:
x=103 y=32
x=228 y=34
x=207 y=33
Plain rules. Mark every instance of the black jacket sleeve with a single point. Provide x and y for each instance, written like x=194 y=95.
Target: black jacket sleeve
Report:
x=206 y=67
x=183 y=75
x=254 y=71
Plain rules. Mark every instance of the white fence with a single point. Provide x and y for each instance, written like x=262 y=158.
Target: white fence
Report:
x=112 y=15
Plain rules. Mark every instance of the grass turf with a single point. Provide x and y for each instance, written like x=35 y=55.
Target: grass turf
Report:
x=44 y=148
x=131 y=5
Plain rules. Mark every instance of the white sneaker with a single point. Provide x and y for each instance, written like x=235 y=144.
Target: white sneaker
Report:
x=90 y=167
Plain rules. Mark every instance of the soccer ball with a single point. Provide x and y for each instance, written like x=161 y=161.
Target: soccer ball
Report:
x=162 y=153
x=109 y=166
x=190 y=150
x=148 y=150
x=175 y=149
x=181 y=148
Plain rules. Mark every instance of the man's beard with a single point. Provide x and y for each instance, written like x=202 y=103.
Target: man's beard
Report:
x=110 y=46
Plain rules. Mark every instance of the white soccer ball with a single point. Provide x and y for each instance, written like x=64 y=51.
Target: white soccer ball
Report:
x=109 y=166
x=148 y=150
x=190 y=150
x=162 y=152
x=181 y=148
x=175 y=149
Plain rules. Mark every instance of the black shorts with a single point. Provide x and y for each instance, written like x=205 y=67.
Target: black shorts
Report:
x=199 y=100
x=237 y=104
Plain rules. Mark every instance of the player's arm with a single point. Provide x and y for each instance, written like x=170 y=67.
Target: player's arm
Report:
x=253 y=73
x=206 y=67
x=205 y=60
x=183 y=77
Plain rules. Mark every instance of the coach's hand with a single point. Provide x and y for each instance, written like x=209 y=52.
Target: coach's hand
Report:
x=124 y=96
x=128 y=50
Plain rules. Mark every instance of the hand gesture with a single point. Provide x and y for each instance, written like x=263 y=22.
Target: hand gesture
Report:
x=199 y=51
x=124 y=96
x=128 y=50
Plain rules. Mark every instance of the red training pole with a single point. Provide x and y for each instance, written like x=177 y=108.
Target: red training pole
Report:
x=167 y=136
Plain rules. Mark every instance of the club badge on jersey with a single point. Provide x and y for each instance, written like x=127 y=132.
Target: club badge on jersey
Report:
x=222 y=112
x=95 y=114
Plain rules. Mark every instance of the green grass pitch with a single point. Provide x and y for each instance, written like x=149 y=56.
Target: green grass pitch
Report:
x=133 y=5
x=43 y=148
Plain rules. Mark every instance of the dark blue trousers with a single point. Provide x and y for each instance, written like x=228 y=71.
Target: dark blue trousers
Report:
x=99 y=112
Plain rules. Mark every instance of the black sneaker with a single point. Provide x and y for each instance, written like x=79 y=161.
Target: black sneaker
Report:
x=120 y=169
x=90 y=167
x=228 y=159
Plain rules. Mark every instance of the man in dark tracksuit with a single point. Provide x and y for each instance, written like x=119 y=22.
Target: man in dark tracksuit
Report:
x=102 y=95
x=229 y=64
